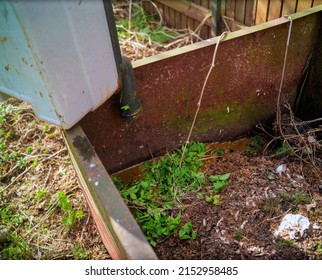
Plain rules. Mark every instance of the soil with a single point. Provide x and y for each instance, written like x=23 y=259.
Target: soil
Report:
x=242 y=226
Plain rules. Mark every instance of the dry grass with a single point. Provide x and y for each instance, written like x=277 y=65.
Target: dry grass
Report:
x=35 y=168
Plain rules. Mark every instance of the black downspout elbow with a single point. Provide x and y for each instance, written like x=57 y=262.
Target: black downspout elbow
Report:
x=130 y=105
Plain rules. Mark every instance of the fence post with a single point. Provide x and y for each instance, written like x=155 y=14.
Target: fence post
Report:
x=216 y=16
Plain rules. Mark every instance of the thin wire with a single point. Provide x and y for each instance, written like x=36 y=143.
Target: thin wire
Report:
x=278 y=108
x=202 y=93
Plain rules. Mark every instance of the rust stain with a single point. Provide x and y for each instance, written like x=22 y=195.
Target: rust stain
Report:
x=241 y=91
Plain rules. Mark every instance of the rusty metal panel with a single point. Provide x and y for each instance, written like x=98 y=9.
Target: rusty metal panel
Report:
x=242 y=91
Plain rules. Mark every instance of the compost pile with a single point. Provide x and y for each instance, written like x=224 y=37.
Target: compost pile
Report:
x=262 y=200
x=242 y=225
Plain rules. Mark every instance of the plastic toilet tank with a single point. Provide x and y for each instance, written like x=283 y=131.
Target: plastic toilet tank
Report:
x=58 y=56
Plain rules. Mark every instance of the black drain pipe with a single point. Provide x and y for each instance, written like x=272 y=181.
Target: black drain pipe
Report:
x=130 y=105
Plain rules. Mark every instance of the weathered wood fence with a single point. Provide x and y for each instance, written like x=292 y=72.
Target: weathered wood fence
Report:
x=208 y=17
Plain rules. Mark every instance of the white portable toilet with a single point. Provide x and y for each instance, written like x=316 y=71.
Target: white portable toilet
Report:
x=57 y=56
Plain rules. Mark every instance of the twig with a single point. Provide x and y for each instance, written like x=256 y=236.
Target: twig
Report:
x=202 y=93
x=24 y=172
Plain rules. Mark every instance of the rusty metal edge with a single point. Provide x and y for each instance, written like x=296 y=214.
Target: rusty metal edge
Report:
x=229 y=36
x=119 y=231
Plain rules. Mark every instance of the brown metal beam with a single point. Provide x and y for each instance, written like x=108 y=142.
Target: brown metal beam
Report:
x=119 y=231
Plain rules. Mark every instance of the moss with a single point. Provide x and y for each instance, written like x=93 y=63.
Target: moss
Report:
x=219 y=116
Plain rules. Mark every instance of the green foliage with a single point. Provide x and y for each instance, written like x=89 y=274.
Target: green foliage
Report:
x=237 y=235
x=255 y=145
x=79 y=253
x=70 y=214
x=46 y=128
x=187 y=232
x=144 y=27
x=5 y=110
x=40 y=194
x=284 y=150
x=15 y=249
x=273 y=206
x=294 y=199
x=126 y=107
x=219 y=182
x=318 y=247
x=283 y=244
x=161 y=188
x=219 y=152
x=10 y=217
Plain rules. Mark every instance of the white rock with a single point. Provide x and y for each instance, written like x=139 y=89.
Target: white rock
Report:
x=281 y=169
x=293 y=226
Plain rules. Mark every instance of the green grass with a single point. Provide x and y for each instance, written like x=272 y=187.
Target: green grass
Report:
x=79 y=253
x=15 y=249
x=284 y=244
x=284 y=201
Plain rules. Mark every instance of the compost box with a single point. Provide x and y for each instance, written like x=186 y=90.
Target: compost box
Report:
x=241 y=92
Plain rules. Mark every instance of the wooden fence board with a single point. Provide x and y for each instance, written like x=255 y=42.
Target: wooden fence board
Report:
x=261 y=11
x=240 y=11
x=275 y=9
x=189 y=14
x=288 y=7
x=172 y=18
x=250 y=13
x=304 y=5
x=230 y=9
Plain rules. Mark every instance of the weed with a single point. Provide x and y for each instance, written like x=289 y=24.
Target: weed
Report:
x=15 y=249
x=219 y=182
x=70 y=214
x=284 y=150
x=145 y=28
x=318 y=247
x=284 y=201
x=283 y=244
x=293 y=200
x=126 y=107
x=40 y=194
x=35 y=162
x=187 y=232
x=219 y=152
x=271 y=206
x=255 y=145
x=46 y=128
x=9 y=217
x=79 y=253
x=161 y=188
x=238 y=235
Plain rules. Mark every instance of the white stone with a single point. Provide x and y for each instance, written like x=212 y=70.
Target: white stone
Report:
x=293 y=226
x=281 y=169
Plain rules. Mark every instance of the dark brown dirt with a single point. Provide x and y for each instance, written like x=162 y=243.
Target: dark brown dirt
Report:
x=242 y=226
